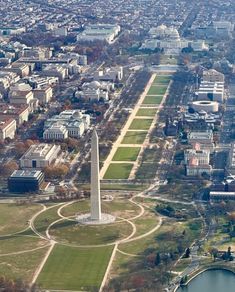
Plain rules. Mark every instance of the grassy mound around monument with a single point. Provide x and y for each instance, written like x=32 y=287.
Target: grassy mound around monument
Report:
x=118 y=207
x=73 y=233
x=121 y=208
x=77 y=269
x=76 y=208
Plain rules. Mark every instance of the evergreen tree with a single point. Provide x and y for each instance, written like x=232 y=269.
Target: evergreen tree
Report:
x=157 y=259
x=187 y=252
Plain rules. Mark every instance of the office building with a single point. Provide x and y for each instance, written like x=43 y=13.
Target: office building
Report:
x=205 y=139
x=203 y=156
x=24 y=181
x=20 y=113
x=7 y=128
x=212 y=76
x=213 y=91
x=231 y=160
x=43 y=94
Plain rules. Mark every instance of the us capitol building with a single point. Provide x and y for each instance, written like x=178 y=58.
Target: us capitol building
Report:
x=168 y=39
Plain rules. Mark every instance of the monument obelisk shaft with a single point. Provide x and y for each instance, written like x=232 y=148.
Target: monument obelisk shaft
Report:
x=95 y=178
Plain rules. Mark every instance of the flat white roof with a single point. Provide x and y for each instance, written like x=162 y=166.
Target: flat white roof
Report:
x=26 y=173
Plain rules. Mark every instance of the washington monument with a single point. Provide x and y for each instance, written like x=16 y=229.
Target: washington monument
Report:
x=95 y=217
x=95 y=178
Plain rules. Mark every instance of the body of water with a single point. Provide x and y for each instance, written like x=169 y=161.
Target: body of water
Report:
x=211 y=281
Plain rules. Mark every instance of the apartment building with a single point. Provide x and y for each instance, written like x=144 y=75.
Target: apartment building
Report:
x=212 y=76
x=20 y=113
x=44 y=94
x=7 y=128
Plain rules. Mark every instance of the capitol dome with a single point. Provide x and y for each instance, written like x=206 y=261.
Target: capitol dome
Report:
x=161 y=28
x=77 y=114
x=95 y=84
x=173 y=33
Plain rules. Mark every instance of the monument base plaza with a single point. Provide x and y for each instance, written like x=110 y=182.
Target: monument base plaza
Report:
x=86 y=219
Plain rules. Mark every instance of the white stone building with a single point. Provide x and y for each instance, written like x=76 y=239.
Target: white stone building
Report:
x=94 y=91
x=101 y=32
x=113 y=74
x=56 y=71
x=203 y=156
x=39 y=156
x=168 y=39
x=73 y=121
x=197 y=161
x=55 y=132
x=211 y=90
x=194 y=168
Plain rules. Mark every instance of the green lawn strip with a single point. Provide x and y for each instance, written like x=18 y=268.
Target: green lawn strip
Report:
x=133 y=137
x=157 y=90
x=21 y=266
x=118 y=171
x=14 y=218
x=161 y=79
x=45 y=219
x=141 y=124
x=71 y=268
x=19 y=243
x=126 y=154
x=146 y=112
x=70 y=232
x=149 y=99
